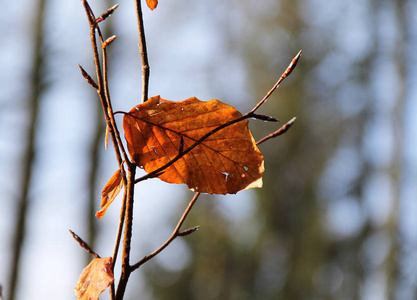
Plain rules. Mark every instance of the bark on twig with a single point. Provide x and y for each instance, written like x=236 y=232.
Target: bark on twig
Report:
x=143 y=51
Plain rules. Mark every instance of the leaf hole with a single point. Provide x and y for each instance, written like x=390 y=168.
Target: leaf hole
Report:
x=226 y=175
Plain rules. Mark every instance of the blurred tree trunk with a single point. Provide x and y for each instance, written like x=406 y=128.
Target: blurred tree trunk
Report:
x=392 y=263
x=29 y=153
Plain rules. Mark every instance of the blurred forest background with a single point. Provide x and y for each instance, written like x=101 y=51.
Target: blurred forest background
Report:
x=337 y=216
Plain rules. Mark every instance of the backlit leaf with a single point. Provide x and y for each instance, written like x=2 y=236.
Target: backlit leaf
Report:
x=226 y=162
x=152 y=4
x=94 y=279
x=109 y=193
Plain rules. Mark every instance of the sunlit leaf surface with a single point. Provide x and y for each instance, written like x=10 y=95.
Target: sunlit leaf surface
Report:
x=226 y=162
x=94 y=279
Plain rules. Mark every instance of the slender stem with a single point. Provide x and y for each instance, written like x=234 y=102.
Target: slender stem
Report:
x=113 y=130
x=283 y=129
x=248 y=115
x=104 y=95
x=126 y=270
x=143 y=51
x=176 y=233
x=103 y=89
x=117 y=241
x=284 y=75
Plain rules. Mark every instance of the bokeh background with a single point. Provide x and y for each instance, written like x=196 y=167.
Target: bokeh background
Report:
x=337 y=216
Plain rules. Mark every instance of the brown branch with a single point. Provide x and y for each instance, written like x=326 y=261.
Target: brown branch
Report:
x=107 y=14
x=113 y=130
x=126 y=270
x=126 y=216
x=104 y=96
x=117 y=241
x=103 y=91
x=250 y=114
x=176 y=233
x=143 y=51
x=284 y=75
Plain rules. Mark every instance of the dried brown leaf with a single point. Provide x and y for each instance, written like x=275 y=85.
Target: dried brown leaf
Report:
x=109 y=193
x=94 y=279
x=226 y=162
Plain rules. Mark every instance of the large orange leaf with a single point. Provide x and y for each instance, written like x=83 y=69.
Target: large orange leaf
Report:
x=94 y=279
x=226 y=162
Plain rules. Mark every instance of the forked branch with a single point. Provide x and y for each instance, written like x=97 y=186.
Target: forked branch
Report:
x=248 y=115
x=102 y=87
x=176 y=233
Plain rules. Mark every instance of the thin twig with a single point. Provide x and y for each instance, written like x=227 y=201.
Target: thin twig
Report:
x=284 y=128
x=143 y=51
x=103 y=89
x=117 y=241
x=126 y=270
x=284 y=75
x=173 y=236
x=104 y=95
x=250 y=114
x=113 y=130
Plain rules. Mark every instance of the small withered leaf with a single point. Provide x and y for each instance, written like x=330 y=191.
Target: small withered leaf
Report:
x=94 y=279
x=152 y=4
x=225 y=162
x=109 y=193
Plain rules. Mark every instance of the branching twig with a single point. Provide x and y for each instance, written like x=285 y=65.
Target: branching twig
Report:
x=173 y=236
x=284 y=128
x=102 y=87
x=250 y=114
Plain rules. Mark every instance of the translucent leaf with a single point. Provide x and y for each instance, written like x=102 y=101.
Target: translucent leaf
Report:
x=226 y=162
x=109 y=193
x=94 y=279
